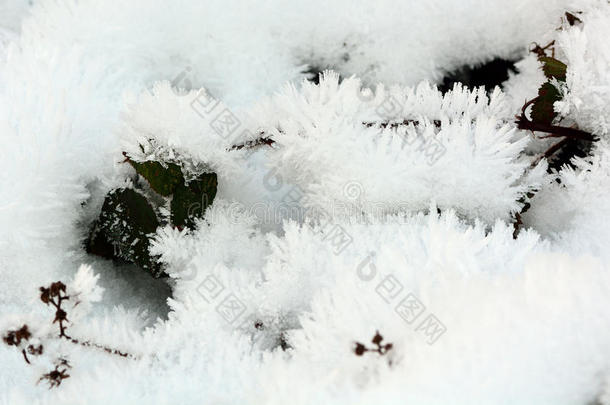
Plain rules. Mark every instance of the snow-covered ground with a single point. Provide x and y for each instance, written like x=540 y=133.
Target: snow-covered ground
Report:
x=264 y=305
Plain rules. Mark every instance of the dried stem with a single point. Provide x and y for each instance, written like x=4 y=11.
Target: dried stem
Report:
x=264 y=140
x=554 y=131
x=551 y=151
x=395 y=125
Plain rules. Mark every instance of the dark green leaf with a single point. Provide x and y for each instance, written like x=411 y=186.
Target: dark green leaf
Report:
x=162 y=180
x=542 y=110
x=191 y=200
x=125 y=223
x=553 y=68
x=98 y=244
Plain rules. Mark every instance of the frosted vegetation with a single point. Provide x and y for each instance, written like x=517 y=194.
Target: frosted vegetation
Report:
x=308 y=203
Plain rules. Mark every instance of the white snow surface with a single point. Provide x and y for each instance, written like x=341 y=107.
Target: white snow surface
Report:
x=423 y=185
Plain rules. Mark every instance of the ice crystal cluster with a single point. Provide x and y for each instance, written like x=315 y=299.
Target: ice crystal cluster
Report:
x=224 y=202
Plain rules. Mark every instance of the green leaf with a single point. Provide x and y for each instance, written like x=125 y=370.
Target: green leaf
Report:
x=162 y=180
x=191 y=200
x=542 y=110
x=553 y=68
x=125 y=223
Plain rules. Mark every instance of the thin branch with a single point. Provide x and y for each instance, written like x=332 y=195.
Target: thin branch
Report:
x=104 y=348
x=541 y=51
x=551 y=151
x=554 y=131
x=395 y=125
x=53 y=295
x=25 y=356
x=254 y=143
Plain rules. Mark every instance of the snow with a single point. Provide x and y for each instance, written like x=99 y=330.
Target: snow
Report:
x=378 y=191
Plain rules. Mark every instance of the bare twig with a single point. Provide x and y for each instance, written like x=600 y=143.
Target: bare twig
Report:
x=551 y=151
x=395 y=125
x=554 y=131
x=264 y=140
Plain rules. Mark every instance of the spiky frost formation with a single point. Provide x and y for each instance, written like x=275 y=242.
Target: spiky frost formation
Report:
x=333 y=140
